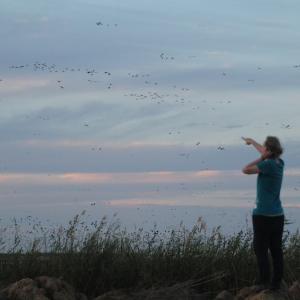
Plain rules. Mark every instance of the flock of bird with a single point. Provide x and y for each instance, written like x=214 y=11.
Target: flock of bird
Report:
x=175 y=96
x=101 y=23
x=53 y=68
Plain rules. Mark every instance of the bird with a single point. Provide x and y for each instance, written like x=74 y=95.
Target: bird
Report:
x=286 y=126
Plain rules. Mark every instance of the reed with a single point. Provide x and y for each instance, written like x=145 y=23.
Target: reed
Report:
x=101 y=256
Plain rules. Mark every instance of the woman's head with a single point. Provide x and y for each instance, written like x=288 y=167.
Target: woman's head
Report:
x=273 y=145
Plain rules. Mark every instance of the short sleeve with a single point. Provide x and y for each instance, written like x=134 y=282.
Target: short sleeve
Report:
x=265 y=167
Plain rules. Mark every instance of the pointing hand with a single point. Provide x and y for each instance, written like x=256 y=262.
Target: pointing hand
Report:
x=248 y=141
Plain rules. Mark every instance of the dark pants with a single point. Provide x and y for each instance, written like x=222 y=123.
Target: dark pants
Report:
x=268 y=236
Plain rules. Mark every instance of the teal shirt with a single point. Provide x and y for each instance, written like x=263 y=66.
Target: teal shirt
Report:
x=268 y=187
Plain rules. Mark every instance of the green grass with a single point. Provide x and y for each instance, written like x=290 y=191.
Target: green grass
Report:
x=100 y=256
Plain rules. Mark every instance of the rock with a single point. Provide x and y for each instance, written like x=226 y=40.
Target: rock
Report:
x=52 y=285
x=258 y=292
x=175 y=292
x=26 y=283
x=57 y=289
x=248 y=291
x=48 y=283
x=80 y=296
x=269 y=295
x=114 y=295
x=24 y=289
x=224 y=295
x=41 y=288
x=294 y=291
x=62 y=295
x=40 y=297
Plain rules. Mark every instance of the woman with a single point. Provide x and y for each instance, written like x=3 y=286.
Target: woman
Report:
x=268 y=216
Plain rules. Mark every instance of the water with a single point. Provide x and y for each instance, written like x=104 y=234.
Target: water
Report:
x=230 y=219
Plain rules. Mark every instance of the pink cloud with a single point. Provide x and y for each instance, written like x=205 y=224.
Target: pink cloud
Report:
x=140 y=202
x=138 y=177
x=92 y=143
x=87 y=177
x=22 y=84
x=25 y=178
x=292 y=172
x=123 y=177
x=110 y=178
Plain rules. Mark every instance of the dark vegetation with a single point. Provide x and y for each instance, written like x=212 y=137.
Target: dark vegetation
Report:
x=101 y=256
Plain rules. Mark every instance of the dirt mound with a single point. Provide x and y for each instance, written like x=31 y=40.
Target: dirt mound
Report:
x=48 y=288
x=259 y=293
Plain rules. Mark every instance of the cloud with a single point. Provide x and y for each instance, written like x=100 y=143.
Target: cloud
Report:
x=12 y=85
x=110 y=178
x=221 y=198
x=150 y=177
x=142 y=177
x=98 y=156
x=31 y=20
x=109 y=121
x=295 y=172
x=24 y=178
x=141 y=202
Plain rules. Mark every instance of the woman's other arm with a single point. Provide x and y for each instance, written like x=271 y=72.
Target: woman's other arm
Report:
x=252 y=168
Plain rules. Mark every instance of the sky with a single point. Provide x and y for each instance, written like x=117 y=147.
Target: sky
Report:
x=124 y=106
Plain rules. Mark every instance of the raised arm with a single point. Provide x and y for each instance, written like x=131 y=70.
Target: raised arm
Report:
x=261 y=149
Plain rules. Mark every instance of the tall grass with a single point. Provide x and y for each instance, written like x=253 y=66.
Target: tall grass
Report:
x=100 y=256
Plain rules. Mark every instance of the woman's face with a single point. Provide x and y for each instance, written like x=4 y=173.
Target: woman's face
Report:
x=265 y=145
